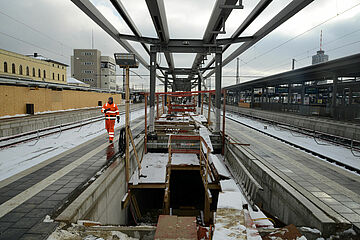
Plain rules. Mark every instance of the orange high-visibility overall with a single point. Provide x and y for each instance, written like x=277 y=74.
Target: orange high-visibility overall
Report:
x=110 y=117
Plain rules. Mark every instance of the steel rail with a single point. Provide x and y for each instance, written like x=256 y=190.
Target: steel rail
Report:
x=331 y=160
x=61 y=128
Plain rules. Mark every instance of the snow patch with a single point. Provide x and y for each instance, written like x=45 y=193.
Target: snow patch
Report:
x=22 y=156
x=48 y=219
x=311 y=230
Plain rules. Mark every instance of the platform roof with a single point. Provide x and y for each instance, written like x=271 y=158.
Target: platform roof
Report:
x=341 y=67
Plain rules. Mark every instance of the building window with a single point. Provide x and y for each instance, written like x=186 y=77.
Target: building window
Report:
x=88 y=71
x=53 y=76
x=39 y=73
x=63 y=77
x=87 y=53
x=59 y=77
x=20 y=70
x=5 y=67
x=13 y=68
x=27 y=71
x=88 y=63
x=104 y=65
x=44 y=74
x=88 y=79
x=33 y=72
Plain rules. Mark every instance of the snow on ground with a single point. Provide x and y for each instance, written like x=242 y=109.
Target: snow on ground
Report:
x=184 y=159
x=230 y=220
x=12 y=116
x=337 y=153
x=23 y=156
x=199 y=118
x=153 y=166
x=205 y=134
x=76 y=232
x=220 y=167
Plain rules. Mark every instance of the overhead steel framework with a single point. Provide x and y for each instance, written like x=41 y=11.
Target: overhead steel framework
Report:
x=209 y=44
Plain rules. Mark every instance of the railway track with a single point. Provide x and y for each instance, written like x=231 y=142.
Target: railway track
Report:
x=37 y=134
x=321 y=136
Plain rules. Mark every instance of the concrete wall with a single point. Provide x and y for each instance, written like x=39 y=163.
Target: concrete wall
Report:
x=282 y=200
x=101 y=201
x=33 y=123
x=337 y=128
x=14 y=99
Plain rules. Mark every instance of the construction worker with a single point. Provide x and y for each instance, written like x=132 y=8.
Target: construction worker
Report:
x=111 y=111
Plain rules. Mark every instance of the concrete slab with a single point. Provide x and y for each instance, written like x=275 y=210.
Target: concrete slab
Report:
x=41 y=190
x=322 y=183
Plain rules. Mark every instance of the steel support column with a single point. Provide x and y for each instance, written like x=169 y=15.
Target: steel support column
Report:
x=267 y=94
x=303 y=93
x=317 y=92
x=334 y=93
x=218 y=67
x=289 y=95
x=166 y=86
x=199 y=96
x=252 y=98
x=152 y=89
x=262 y=94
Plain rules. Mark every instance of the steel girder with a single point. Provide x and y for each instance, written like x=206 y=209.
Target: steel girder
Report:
x=137 y=35
x=290 y=10
x=259 y=8
x=218 y=17
x=89 y=9
x=158 y=16
x=124 y=14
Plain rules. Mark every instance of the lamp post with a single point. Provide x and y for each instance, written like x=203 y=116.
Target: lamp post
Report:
x=127 y=61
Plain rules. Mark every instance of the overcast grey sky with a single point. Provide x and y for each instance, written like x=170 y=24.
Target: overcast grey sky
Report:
x=53 y=28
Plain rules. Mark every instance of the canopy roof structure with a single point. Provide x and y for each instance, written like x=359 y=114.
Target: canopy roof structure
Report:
x=210 y=42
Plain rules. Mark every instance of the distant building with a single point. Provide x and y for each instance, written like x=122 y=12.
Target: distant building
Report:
x=88 y=66
x=320 y=57
x=108 y=73
x=85 y=66
x=33 y=67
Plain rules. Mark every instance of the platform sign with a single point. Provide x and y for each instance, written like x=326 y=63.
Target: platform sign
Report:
x=281 y=90
x=311 y=90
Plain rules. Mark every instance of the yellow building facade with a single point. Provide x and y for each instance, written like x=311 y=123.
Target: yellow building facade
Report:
x=17 y=65
x=14 y=99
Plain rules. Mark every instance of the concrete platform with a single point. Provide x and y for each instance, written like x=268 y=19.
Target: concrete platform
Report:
x=298 y=188
x=26 y=198
x=329 y=126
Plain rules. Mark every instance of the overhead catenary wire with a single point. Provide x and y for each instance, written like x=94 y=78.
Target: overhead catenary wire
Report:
x=35 y=30
x=286 y=62
x=297 y=36
x=34 y=45
x=301 y=59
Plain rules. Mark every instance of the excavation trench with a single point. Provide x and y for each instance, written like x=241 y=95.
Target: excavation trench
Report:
x=181 y=192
